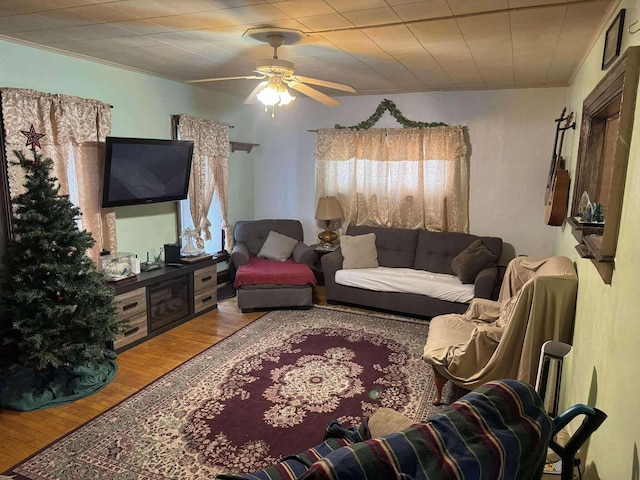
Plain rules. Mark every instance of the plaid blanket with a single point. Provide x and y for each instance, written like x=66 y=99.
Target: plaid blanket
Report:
x=290 y=468
x=498 y=431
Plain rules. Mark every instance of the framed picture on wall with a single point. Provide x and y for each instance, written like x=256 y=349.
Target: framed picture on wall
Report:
x=612 y=40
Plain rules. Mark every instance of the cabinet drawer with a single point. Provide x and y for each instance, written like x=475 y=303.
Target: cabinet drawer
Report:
x=205 y=299
x=136 y=330
x=205 y=279
x=132 y=303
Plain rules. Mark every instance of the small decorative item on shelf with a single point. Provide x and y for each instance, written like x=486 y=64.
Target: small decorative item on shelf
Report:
x=598 y=213
x=589 y=212
x=118 y=266
x=190 y=245
x=585 y=201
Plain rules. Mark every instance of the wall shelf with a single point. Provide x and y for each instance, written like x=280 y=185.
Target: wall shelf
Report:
x=243 y=146
x=580 y=230
x=590 y=239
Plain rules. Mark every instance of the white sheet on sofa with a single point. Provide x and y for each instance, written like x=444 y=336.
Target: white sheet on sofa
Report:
x=407 y=280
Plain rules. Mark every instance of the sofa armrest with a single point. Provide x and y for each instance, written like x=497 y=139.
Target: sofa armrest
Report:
x=331 y=263
x=485 y=281
x=240 y=254
x=483 y=309
x=304 y=254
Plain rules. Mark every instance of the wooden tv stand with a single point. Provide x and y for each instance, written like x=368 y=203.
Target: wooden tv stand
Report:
x=157 y=300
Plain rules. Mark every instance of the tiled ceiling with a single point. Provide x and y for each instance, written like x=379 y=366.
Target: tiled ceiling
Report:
x=376 y=46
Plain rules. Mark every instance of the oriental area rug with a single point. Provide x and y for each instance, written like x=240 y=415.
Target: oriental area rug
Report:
x=267 y=391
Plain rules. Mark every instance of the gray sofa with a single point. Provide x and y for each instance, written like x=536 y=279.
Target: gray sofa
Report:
x=417 y=249
x=248 y=237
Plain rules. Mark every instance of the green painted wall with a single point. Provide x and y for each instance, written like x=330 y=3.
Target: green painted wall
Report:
x=142 y=106
x=602 y=370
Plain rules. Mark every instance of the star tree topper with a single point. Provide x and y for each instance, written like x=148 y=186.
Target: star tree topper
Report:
x=33 y=138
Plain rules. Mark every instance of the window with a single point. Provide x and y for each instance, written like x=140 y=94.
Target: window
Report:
x=215 y=244
x=209 y=179
x=404 y=178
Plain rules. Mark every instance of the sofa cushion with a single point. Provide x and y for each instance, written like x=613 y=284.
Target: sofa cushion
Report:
x=396 y=246
x=407 y=280
x=359 y=251
x=471 y=261
x=386 y=420
x=261 y=271
x=277 y=247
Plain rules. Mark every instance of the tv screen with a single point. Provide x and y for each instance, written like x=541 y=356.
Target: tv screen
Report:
x=140 y=171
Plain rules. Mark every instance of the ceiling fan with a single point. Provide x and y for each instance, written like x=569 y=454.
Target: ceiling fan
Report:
x=278 y=74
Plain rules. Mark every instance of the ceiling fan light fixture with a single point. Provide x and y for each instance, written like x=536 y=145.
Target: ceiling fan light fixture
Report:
x=285 y=97
x=269 y=95
x=277 y=74
x=275 y=93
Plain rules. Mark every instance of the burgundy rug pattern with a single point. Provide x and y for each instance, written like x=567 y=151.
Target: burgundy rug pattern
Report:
x=265 y=392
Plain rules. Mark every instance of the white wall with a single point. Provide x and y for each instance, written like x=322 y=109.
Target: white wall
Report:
x=511 y=134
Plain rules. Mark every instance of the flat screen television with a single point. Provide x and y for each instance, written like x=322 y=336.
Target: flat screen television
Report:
x=141 y=170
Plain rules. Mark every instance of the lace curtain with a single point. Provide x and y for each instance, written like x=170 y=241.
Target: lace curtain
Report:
x=209 y=171
x=404 y=178
x=75 y=130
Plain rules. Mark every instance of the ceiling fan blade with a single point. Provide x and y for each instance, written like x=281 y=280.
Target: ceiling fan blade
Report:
x=252 y=97
x=325 y=83
x=313 y=93
x=246 y=77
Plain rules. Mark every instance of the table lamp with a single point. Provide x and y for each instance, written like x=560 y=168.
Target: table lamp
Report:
x=328 y=209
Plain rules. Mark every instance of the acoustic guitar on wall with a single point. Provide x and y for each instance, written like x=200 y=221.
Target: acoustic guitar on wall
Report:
x=557 y=193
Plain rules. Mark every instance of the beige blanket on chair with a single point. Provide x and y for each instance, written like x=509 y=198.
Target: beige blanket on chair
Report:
x=502 y=339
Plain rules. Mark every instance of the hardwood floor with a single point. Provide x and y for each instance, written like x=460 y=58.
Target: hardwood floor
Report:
x=24 y=433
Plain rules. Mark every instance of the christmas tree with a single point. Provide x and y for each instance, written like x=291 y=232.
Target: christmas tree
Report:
x=59 y=310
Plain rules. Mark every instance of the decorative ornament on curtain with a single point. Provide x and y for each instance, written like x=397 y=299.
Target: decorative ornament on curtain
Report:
x=75 y=130
x=405 y=178
x=209 y=172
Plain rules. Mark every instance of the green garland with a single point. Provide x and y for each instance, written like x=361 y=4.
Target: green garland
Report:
x=388 y=105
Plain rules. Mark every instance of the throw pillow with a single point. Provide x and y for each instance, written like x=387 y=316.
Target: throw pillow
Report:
x=359 y=251
x=386 y=420
x=277 y=247
x=471 y=261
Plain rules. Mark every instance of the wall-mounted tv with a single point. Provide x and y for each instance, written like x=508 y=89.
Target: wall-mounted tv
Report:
x=141 y=170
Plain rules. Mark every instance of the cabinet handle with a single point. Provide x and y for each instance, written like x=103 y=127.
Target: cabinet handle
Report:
x=206 y=279
x=129 y=306
x=207 y=299
x=130 y=331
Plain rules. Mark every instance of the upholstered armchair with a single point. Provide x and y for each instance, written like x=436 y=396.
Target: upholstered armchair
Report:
x=494 y=340
x=272 y=265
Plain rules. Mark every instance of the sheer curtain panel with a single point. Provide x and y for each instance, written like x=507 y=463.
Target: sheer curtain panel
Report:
x=209 y=172
x=403 y=178
x=75 y=130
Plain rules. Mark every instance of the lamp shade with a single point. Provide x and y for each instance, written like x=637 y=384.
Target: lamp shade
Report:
x=328 y=209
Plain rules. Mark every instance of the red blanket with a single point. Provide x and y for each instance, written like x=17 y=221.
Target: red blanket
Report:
x=261 y=270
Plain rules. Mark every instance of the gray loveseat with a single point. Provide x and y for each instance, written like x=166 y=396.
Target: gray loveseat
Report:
x=416 y=249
